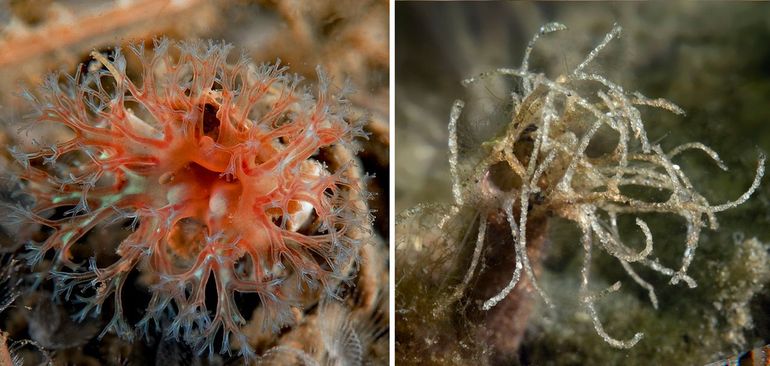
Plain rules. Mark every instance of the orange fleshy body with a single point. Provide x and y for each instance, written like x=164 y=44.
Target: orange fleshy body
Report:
x=217 y=164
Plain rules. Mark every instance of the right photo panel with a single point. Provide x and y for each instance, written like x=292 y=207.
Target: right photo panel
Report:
x=582 y=184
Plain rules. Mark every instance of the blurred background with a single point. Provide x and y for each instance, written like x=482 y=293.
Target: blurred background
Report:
x=710 y=58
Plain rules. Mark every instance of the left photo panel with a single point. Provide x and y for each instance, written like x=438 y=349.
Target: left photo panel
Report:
x=194 y=182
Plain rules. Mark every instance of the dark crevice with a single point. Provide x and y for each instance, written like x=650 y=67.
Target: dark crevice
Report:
x=210 y=121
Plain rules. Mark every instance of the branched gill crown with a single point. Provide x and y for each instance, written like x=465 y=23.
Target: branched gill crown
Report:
x=225 y=173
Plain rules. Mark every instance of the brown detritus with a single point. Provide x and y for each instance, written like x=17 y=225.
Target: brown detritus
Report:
x=348 y=37
x=339 y=333
x=5 y=354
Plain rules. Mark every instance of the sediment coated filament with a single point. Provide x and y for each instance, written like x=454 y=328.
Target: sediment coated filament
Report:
x=559 y=121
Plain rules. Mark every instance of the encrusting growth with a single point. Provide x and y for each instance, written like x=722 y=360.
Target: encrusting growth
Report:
x=228 y=174
x=549 y=171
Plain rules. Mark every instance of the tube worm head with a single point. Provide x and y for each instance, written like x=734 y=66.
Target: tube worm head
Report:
x=230 y=174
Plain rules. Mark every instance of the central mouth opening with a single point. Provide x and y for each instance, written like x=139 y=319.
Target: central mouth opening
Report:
x=210 y=122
